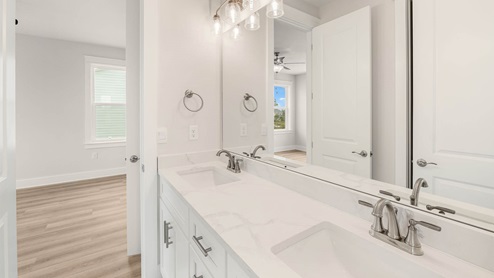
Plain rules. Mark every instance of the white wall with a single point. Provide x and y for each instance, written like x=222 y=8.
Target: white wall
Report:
x=383 y=79
x=189 y=58
x=301 y=111
x=245 y=71
x=51 y=114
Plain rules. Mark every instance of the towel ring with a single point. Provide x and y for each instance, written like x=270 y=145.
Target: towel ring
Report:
x=190 y=94
x=246 y=98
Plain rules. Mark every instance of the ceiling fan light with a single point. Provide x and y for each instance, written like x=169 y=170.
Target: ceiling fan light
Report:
x=278 y=68
x=232 y=11
x=275 y=9
x=217 y=27
x=252 y=23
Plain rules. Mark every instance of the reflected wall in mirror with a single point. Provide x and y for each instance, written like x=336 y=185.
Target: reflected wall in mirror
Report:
x=245 y=72
x=352 y=96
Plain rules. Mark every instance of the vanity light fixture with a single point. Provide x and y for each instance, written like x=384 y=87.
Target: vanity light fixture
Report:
x=249 y=4
x=275 y=9
x=252 y=23
x=235 y=33
x=233 y=10
x=217 y=27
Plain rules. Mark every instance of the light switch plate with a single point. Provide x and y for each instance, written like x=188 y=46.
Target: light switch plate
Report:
x=162 y=135
x=193 y=132
x=243 y=130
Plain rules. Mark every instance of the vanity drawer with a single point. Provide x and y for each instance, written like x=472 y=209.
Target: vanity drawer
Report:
x=176 y=205
x=207 y=247
x=196 y=267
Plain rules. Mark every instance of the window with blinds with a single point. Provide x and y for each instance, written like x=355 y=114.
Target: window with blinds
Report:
x=106 y=121
x=109 y=104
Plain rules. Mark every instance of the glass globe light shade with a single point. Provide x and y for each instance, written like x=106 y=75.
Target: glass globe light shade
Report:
x=275 y=9
x=252 y=23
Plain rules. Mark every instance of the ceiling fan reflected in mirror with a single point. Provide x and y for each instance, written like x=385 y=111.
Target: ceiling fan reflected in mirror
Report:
x=279 y=63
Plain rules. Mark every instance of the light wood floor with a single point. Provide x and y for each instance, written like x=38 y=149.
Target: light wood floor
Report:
x=294 y=155
x=74 y=230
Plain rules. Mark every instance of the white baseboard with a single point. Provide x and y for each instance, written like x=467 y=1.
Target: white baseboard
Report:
x=50 y=180
x=301 y=148
x=289 y=148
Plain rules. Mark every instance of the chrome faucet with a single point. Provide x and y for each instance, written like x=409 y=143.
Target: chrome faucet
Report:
x=393 y=231
x=414 y=198
x=253 y=153
x=233 y=164
x=392 y=236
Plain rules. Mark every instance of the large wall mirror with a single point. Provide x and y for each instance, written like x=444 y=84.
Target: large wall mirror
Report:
x=396 y=92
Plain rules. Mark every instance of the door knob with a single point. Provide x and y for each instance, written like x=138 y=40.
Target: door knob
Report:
x=134 y=159
x=422 y=163
x=361 y=153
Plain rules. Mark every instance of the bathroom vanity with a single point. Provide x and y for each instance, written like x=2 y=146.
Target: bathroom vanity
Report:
x=352 y=208
x=217 y=223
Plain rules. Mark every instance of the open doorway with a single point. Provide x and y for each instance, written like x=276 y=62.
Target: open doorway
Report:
x=290 y=93
x=72 y=80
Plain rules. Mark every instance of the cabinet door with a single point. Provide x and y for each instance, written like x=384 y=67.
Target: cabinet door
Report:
x=234 y=270
x=174 y=251
x=181 y=254
x=167 y=245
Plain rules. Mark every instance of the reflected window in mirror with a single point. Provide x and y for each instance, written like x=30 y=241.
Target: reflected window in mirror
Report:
x=281 y=107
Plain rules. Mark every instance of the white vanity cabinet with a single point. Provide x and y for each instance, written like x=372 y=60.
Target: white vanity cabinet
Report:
x=193 y=249
x=234 y=270
x=174 y=246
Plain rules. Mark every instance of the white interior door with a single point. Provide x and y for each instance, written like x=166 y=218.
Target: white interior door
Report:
x=342 y=94
x=453 y=96
x=133 y=128
x=8 y=242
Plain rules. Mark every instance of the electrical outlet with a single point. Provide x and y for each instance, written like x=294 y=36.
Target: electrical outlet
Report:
x=264 y=130
x=193 y=132
x=162 y=134
x=243 y=130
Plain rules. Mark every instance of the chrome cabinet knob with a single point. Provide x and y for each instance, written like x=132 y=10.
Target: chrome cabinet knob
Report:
x=422 y=162
x=361 y=153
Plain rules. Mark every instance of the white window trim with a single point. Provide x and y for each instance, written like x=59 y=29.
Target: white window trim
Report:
x=90 y=63
x=288 y=85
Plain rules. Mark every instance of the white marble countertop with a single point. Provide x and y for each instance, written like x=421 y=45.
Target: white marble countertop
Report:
x=253 y=215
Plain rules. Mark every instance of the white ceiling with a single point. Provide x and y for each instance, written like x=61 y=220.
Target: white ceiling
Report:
x=291 y=42
x=90 y=21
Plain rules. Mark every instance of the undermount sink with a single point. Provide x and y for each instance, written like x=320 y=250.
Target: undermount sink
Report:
x=327 y=250
x=207 y=176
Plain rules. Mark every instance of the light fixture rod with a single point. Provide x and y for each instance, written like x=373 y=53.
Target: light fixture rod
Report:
x=219 y=8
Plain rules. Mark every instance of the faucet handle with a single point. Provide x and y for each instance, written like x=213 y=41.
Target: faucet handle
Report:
x=384 y=192
x=237 y=165
x=246 y=154
x=413 y=223
x=412 y=238
x=365 y=204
